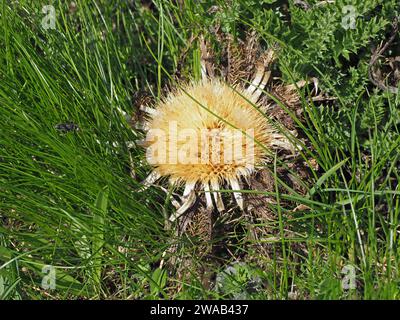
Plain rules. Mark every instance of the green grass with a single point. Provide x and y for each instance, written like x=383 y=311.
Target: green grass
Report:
x=67 y=199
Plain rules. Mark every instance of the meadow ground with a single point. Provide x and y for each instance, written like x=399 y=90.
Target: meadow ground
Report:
x=73 y=222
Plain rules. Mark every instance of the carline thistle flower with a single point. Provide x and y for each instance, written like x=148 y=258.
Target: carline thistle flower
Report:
x=207 y=135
